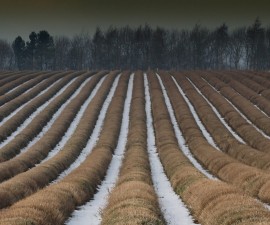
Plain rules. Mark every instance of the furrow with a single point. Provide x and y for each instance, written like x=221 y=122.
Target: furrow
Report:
x=204 y=197
x=92 y=208
x=40 y=150
x=80 y=185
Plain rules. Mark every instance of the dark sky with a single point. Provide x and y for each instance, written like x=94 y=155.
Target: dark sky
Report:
x=68 y=17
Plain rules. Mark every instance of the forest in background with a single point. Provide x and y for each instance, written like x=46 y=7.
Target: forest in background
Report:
x=143 y=48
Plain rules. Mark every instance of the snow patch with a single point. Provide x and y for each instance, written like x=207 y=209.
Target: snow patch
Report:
x=23 y=105
x=222 y=120
x=173 y=209
x=179 y=135
x=55 y=117
x=94 y=136
x=34 y=114
x=74 y=123
x=196 y=117
x=241 y=114
x=91 y=211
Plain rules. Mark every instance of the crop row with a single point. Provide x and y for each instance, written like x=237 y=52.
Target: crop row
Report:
x=211 y=202
x=14 y=104
x=237 y=121
x=44 y=173
x=255 y=115
x=61 y=157
x=224 y=139
x=24 y=87
x=36 y=124
x=139 y=206
x=248 y=93
x=60 y=199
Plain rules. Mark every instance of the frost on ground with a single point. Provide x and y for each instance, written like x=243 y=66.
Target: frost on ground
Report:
x=94 y=136
x=196 y=117
x=222 y=120
x=173 y=209
x=26 y=103
x=91 y=211
x=241 y=114
x=74 y=123
x=54 y=117
x=179 y=135
x=33 y=115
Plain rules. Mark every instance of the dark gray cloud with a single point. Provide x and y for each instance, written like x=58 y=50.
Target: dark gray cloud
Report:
x=74 y=16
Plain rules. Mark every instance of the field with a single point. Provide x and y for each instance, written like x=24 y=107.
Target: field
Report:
x=135 y=148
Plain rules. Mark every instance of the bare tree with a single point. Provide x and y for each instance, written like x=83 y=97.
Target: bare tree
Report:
x=6 y=55
x=236 y=46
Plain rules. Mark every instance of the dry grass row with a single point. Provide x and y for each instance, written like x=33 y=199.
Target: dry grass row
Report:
x=254 y=138
x=259 y=79
x=24 y=87
x=263 y=74
x=252 y=96
x=246 y=107
x=223 y=138
x=7 y=87
x=38 y=177
x=9 y=107
x=133 y=201
x=6 y=74
x=12 y=77
x=210 y=201
x=253 y=80
x=50 y=139
x=265 y=92
x=251 y=180
x=12 y=124
x=54 y=204
x=26 y=135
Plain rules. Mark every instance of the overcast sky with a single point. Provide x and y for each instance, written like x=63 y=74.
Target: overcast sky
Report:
x=68 y=17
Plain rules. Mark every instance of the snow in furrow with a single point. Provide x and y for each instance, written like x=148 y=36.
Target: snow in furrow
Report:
x=174 y=210
x=23 y=105
x=91 y=211
x=95 y=134
x=54 y=117
x=29 y=89
x=13 y=89
x=34 y=114
x=241 y=114
x=222 y=120
x=196 y=117
x=248 y=100
x=74 y=123
x=179 y=135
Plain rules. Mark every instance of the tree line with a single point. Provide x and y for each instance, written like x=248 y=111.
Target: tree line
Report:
x=142 y=48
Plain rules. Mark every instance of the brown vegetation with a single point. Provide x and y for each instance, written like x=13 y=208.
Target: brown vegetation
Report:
x=54 y=204
x=37 y=124
x=185 y=179
x=133 y=200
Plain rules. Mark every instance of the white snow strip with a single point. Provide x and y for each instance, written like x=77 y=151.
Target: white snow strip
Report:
x=13 y=89
x=196 y=117
x=222 y=120
x=94 y=136
x=34 y=114
x=179 y=135
x=247 y=98
x=259 y=130
x=174 y=210
x=23 y=105
x=29 y=89
x=91 y=210
x=74 y=123
x=54 y=117
x=17 y=96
